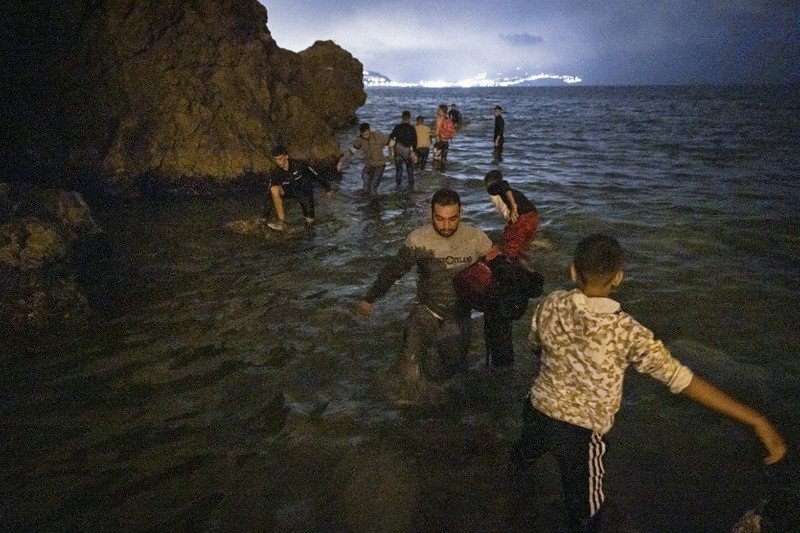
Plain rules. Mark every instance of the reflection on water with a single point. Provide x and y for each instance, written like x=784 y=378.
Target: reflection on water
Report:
x=225 y=384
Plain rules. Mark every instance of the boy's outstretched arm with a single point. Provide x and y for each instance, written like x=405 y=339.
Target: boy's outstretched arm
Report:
x=710 y=396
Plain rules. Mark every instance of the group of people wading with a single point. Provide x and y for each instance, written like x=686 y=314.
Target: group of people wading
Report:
x=583 y=339
x=409 y=147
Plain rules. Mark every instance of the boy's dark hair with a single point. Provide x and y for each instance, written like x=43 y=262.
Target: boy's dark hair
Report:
x=492 y=176
x=363 y=127
x=498 y=108
x=445 y=196
x=279 y=150
x=598 y=257
x=406 y=115
x=420 y=119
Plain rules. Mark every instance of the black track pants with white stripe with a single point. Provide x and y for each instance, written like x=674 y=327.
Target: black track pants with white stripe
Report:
x=579 y=452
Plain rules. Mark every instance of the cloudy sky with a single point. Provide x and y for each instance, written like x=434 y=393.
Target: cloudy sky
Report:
x=600 y=41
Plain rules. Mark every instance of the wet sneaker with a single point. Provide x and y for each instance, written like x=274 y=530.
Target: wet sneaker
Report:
x=278 y=225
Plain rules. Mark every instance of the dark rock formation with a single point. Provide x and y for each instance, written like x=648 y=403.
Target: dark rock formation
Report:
x=181 y=90
x=38 y=243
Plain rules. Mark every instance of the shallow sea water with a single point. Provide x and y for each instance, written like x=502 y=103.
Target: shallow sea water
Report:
x=225 y=384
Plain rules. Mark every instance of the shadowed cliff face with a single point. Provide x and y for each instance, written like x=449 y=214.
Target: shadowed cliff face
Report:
x=178 y=89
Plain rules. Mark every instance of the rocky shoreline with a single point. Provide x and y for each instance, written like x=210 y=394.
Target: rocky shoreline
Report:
x=42 y=232
x=110 y=100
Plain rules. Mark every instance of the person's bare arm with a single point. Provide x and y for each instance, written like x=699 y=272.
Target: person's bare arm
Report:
x=710 y=396
x=512 y=212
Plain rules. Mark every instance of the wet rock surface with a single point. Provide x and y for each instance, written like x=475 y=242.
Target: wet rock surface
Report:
x=41 y=239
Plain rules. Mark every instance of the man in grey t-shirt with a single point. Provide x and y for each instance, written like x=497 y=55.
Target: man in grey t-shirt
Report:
x=438 y=317
x=372 y=144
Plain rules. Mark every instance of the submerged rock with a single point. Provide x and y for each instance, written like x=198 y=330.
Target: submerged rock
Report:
x=183 y=90
x=249 y=226
x=37 y=247
x=65 y=208
x=30 y=243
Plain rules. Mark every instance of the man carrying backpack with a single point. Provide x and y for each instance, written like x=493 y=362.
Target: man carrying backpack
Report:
x=455 y=115
x=445 y=131
x=501 y=289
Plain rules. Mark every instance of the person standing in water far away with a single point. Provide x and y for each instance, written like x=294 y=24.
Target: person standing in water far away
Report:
x=372 y=143
x=444 y=133
x=403 y=142
x=423 y=142
x=498 y=135
x=455 y=115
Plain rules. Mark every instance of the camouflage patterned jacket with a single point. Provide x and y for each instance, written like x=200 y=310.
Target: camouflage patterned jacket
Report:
x=587 y=343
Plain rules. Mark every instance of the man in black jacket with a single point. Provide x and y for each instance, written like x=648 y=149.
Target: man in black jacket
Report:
x=292 y=179
x=403 y=140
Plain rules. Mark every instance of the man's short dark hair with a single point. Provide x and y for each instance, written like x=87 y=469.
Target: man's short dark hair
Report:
x=279 y=150
x=492 y=176
x=598 y=257
x=445 y=196
x=498 y=108
x=363 y=127
x=406 y=115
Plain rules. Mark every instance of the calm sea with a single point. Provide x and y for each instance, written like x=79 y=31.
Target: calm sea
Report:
x=224 y=384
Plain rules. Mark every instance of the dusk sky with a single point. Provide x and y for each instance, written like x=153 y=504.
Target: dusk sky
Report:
x=602 y=42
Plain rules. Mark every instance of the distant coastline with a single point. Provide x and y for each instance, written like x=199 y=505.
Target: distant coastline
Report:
x=376 y=79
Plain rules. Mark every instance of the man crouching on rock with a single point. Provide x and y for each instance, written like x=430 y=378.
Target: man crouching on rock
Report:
x=292 y=179
x=438 y=317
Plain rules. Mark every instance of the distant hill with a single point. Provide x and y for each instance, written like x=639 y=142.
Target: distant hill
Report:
x=375 y=78
x=517 y=78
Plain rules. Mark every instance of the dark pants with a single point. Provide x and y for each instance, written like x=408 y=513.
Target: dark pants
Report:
x=371 y=178
x=498 y=150
x=304 y=196
x=450 y=337
x=401 y=162
x=423 y=157
x=498 y=337
x=440 y=150
x=579 y=452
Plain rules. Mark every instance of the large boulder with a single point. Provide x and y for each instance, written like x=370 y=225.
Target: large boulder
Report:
x=180 y=90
